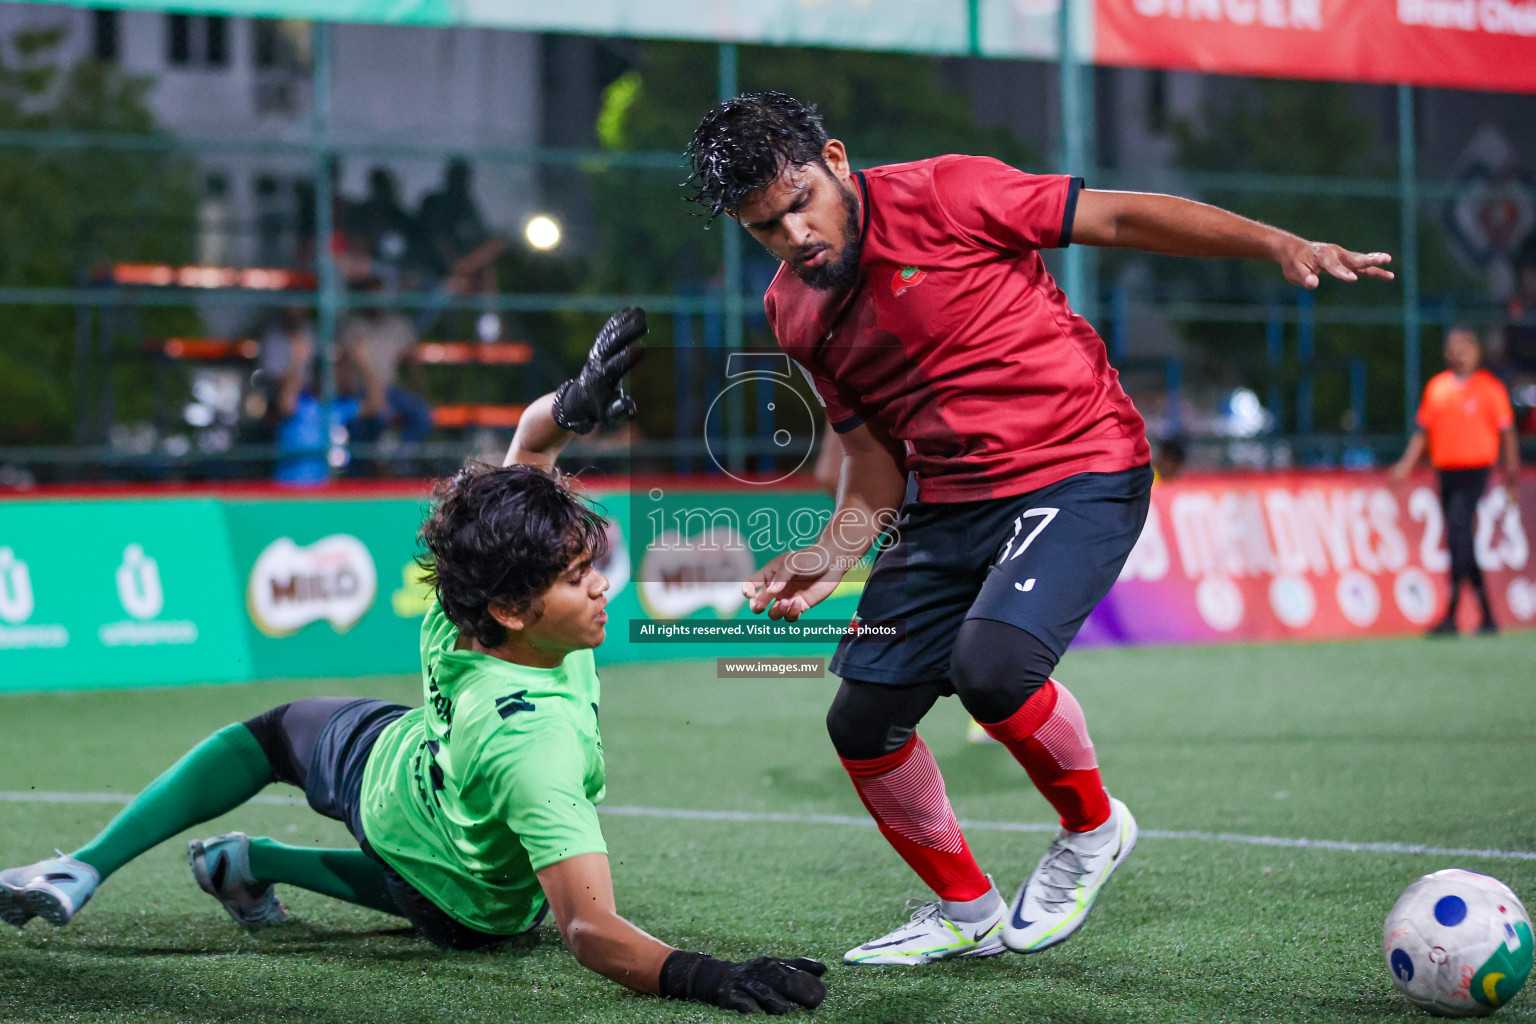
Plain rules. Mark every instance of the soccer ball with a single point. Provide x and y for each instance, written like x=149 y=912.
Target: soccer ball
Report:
x=1458 y=943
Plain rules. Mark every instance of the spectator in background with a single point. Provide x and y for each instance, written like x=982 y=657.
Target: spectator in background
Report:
x=286 y=365
x=375 y=343
x=1465 y=420
x=380 y=228
x=289 y=405
x=350 y=255
x=460 y=249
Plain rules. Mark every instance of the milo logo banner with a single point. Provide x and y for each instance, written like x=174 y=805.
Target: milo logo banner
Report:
x=330 y=588
x=1309 y=557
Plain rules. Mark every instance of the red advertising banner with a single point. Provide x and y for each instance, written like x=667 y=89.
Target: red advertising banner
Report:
x=1309 y=557
x=1460 y=44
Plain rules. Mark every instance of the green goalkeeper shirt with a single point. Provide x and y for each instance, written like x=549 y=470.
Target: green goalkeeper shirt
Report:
x=497 y=776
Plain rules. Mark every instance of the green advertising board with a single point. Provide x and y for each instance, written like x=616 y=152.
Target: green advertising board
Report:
x=173 y=591
x=683 y=556
x=328 y=588
x=119 y=593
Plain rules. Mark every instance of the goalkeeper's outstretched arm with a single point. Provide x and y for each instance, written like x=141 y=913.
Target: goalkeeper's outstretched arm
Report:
x=580 y=894
x=593 y=398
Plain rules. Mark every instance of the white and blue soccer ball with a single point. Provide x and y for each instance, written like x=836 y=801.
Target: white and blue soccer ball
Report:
x=1458 y=943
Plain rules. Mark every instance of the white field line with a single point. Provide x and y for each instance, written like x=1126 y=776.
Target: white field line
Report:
x=677 y=814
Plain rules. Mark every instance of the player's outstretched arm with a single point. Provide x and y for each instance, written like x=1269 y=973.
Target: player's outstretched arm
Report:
x=593 y=398
x=580 y=894
x=1182 y=227
x=869 y=492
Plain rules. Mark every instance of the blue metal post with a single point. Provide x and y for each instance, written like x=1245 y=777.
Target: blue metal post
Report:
x=1408 y=265
x=1357 y=393
x=1120 y=332
x=1274 y=351
x=731 y=284
x=1173 y=384
x=329 y=298
x=1076 y=123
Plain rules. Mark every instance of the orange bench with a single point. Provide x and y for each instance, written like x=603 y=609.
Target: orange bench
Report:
x=499 y=353
x=209 y=350
x=458 y=417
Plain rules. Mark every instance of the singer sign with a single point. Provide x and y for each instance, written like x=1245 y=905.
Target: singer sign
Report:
x=1465 y=44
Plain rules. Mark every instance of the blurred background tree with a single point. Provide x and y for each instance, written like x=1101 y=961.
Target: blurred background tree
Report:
x=885 y=107
x=64 y=208
x=1251 y=128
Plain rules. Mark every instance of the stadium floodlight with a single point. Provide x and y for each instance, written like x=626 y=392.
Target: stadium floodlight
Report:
x=542 y=232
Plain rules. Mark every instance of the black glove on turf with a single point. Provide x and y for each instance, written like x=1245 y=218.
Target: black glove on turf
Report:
x=594 y=397
x=766 y=984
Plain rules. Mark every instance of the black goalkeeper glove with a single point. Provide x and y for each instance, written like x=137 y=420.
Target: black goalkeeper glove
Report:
x=767 y=984
x=594 y=396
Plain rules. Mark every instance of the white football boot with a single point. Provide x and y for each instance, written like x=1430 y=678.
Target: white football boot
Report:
x=1054 y=901
x=54 y=890
x=222 y=867
x=930 y=936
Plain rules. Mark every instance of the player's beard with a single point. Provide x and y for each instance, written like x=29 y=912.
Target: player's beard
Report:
x=839 y=274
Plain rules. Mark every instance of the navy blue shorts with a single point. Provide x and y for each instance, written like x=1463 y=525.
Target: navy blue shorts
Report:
x=1039 y=561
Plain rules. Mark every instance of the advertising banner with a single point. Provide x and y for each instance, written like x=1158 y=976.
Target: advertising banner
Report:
x=328 y=588
x=117 y=594
x=176 y=591
x=682 y=555
x=1462 y=44
x=1308 y=557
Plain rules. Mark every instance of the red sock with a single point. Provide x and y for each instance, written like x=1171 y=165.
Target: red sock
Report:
x=1050 y=739
x=904 y=793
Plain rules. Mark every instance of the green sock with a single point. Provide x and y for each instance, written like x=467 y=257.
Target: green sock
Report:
x=213 y=778
x=349 y=875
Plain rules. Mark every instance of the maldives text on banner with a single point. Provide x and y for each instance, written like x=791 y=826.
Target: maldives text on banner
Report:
x=1308 y=557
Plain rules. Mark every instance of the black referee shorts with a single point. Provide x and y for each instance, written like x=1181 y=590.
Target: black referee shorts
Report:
x=1040 y=561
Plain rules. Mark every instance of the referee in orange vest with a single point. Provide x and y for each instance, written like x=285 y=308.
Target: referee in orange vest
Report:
x=1466 y=422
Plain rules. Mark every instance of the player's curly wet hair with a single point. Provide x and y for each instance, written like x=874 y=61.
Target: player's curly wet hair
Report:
x=503 y=535
x=745 y=142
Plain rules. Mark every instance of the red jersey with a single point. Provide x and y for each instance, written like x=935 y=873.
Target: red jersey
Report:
x=956 y=339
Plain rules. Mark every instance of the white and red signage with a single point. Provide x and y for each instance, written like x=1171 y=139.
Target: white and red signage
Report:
x=1309 y=557
x=1461 y=44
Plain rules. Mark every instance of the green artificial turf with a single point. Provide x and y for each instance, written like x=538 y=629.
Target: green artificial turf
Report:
x=1387 y=741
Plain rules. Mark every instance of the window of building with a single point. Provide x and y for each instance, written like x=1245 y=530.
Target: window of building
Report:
x=196 y=41
x=178 y=40
x=217 y=39
x=104 y=34
x=280 y=45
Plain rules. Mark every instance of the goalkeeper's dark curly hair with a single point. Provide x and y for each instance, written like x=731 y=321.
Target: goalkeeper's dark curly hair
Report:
x=502 y=535
x=745 y=142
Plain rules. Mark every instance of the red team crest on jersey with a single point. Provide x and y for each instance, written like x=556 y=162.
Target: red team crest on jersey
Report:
x=906 y=277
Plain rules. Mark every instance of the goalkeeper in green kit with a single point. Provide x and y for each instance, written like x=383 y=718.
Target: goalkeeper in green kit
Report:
x=477 y=813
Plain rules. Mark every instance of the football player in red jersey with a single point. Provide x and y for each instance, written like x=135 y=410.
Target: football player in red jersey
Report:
x=914 y=298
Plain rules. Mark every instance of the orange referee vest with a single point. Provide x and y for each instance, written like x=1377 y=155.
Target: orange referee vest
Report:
x=1463 y=419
